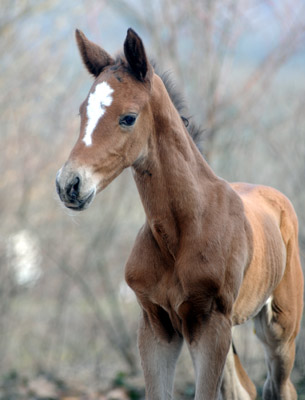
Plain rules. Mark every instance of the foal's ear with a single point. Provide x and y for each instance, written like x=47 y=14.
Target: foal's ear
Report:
x=136 y=57
x=93 y=56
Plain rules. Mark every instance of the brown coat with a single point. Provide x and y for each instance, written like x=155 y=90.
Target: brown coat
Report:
x=210 y=255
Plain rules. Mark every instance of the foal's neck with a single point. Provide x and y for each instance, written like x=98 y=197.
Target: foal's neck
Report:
x=173 y=179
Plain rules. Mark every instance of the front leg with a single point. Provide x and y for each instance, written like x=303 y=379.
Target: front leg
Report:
x=159 y=353
x=209 y=339
x=159 y=341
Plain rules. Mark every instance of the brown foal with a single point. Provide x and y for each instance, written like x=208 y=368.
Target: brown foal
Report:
x=210 y=255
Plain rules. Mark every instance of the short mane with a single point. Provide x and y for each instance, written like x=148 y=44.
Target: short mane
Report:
x=195 y=131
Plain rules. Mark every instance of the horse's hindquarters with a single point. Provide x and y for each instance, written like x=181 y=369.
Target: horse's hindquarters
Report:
x=269 y=253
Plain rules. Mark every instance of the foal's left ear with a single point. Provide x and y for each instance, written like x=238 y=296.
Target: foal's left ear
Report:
x=135 y=55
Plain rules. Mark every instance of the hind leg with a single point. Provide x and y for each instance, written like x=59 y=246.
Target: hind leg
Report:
x=277 y=326
x=279 y=350
x=236 y=384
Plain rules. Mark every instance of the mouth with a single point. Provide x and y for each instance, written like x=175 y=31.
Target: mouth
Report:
x=80 y=205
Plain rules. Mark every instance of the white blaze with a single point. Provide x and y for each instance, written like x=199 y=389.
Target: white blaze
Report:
x=97 y=103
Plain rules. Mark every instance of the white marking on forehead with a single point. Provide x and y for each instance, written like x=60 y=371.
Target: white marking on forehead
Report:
x=97 y=103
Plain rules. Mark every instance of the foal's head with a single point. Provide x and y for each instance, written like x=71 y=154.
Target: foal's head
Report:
x=116 y=121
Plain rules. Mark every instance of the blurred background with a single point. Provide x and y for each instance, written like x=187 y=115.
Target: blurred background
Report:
x=68 y=321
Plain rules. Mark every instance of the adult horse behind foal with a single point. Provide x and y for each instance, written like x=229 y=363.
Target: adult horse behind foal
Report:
x=211 y=254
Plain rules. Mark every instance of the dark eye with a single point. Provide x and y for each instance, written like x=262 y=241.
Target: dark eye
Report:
x=128 y=120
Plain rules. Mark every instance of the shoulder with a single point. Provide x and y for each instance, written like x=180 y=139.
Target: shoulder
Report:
x=143 y=265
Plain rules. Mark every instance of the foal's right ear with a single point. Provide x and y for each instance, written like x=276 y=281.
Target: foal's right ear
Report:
x=93 y=56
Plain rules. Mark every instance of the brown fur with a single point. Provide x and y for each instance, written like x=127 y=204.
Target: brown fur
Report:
x=210 y=253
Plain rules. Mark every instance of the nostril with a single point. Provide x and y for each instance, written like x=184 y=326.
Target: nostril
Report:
x=75 y=184
x=73 y=190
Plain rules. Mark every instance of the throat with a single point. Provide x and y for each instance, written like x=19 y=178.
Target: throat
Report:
x=172 y=181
